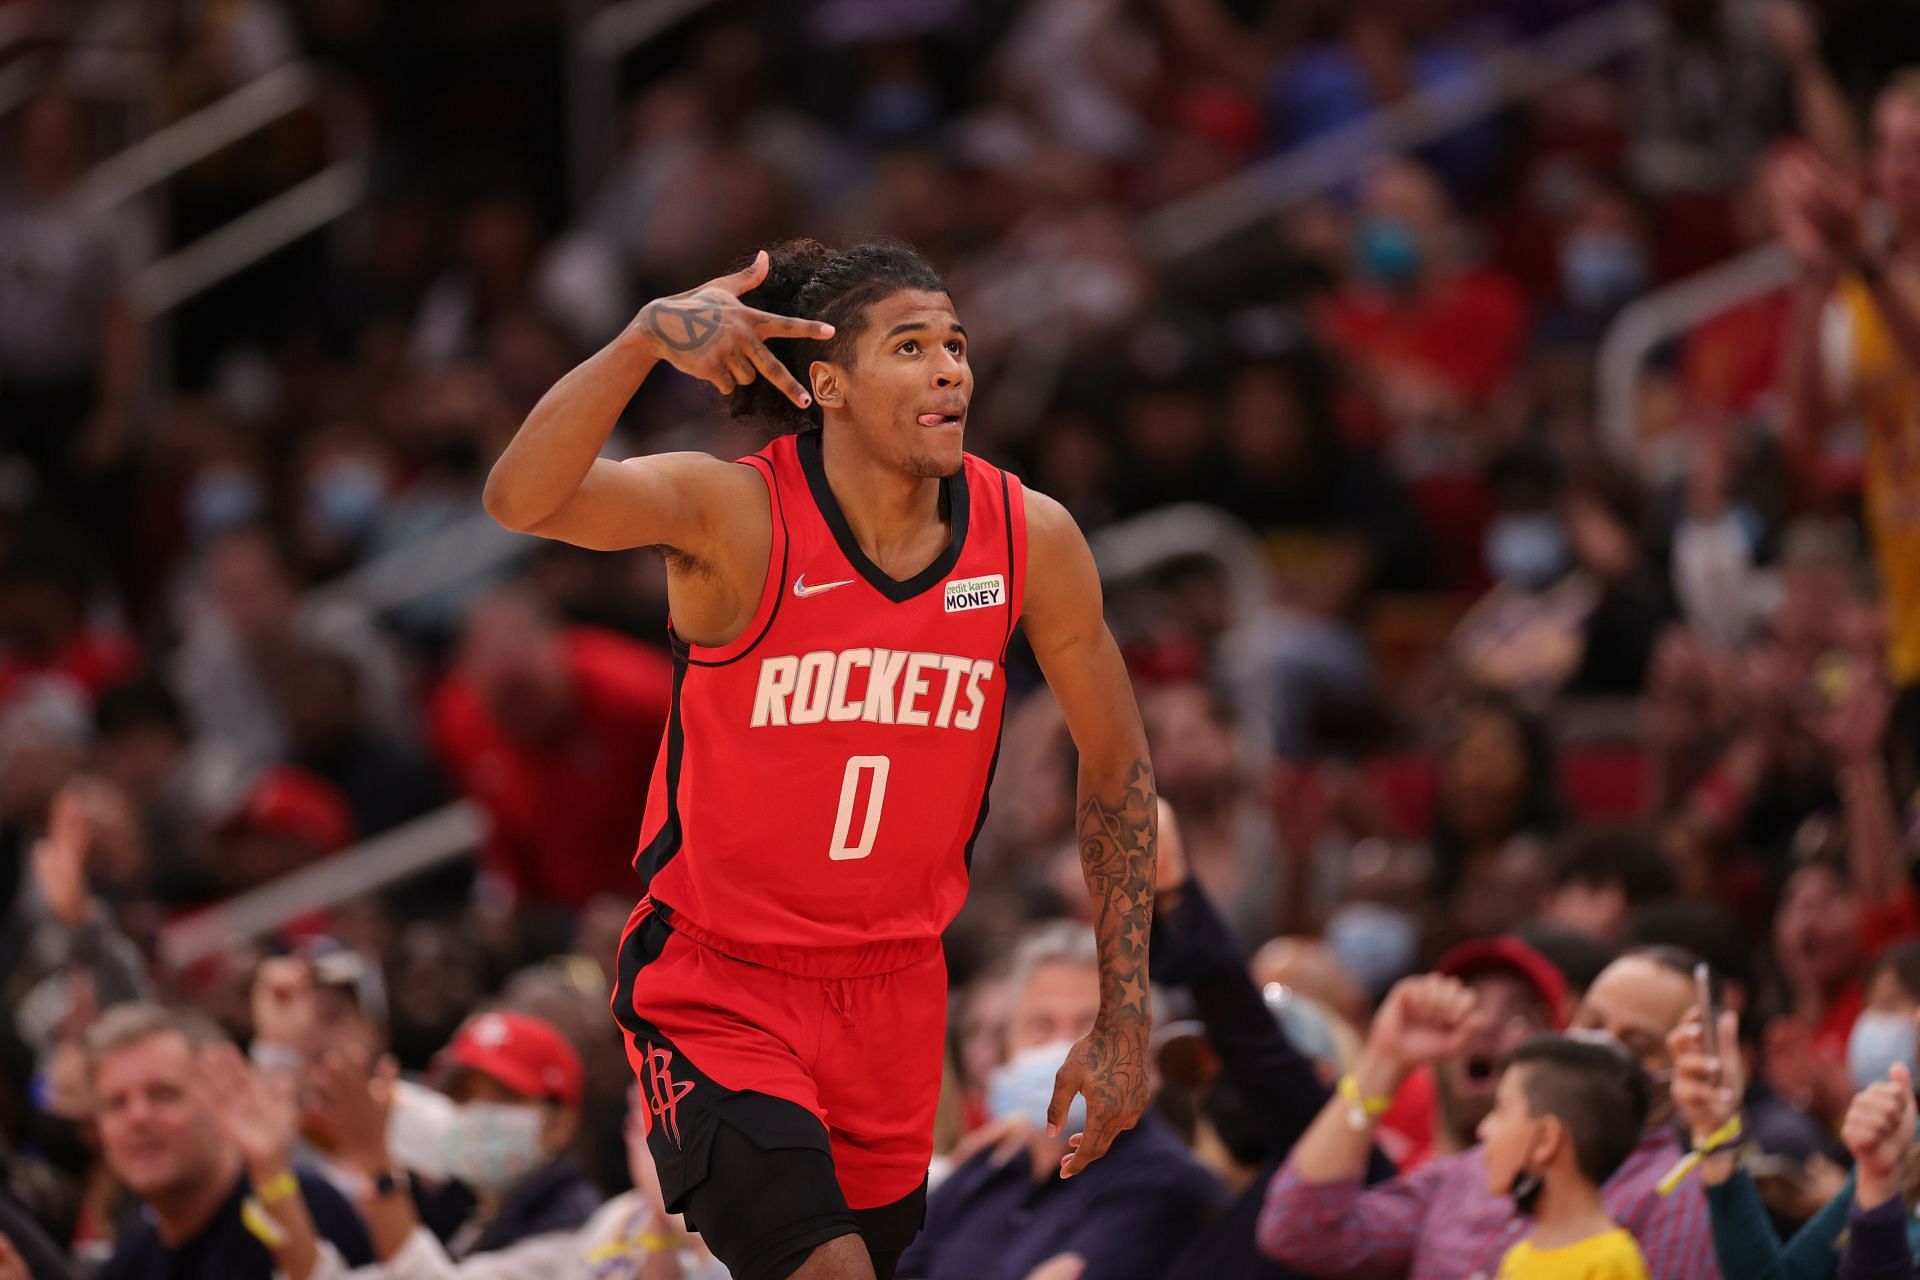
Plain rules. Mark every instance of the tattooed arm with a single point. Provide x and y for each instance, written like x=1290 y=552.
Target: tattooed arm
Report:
x=551 y=480
x=1118 y=818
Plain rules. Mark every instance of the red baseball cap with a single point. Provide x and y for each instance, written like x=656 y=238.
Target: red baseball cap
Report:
x=295 y=805
x=1507 y=954
x=524 y=1053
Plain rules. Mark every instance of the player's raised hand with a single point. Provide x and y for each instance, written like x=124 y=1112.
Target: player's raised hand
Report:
x=710 y=334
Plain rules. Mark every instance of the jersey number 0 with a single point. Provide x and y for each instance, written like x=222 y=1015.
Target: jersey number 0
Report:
x=849 y=796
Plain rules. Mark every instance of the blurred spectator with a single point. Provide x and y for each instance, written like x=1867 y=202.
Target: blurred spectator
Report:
x=1431 y=335
x=245 y=628
x=1126 y=1215
x=553 y=730
x=1443 y=1220
x=630 y=1237
x=1602 y=876
x=1721 y=82
x=383 y=782
x=179 y=785
x=1852 y=340
x=287 y=819
x=1519 y=994
x=72 y=349
x=162 y=1135
x=1267 y=1089
x=1202 y=767
x=1496 y=812
x=516 y=1085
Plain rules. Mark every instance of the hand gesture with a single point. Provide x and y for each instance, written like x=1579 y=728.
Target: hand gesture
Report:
x=1815 y=210
x=357 y=1102
x=60 y=857
x=256 y=1111
x=1423 y=1019
x=1706 y=1090
x=1108 y=1067
x=1879 y=1129
x=283 y=1003
x=1853 y=726
x=708 y=333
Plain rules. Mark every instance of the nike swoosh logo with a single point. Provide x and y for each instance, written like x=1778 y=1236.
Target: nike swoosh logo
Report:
x=802 y=590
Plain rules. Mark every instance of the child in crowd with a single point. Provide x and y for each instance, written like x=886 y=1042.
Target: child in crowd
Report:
x=1566 y=1114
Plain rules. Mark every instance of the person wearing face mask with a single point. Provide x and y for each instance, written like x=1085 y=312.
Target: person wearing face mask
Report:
x=1563 y=1123
x=1707 y=1094
x=1269 y=1089
x=1443 y=1221
x=515 y=1085
x=630 y=1237
x=1005 y=1212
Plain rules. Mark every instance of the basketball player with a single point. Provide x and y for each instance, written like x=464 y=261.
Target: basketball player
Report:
x=841 y=603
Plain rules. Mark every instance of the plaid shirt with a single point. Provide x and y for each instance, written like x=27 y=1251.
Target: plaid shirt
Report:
x=1442 y=1223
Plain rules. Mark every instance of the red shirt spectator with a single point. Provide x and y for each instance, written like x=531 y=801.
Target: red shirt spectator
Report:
x=1463 y=332
x=554 y=730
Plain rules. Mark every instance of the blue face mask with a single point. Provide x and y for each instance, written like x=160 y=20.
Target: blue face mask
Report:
x=1598 y=270
x=1375 y=944
x=344 y=498
x=221 y=500
x=1528 y=551
x=1388 y=251
x=1023 y=1086
x=1877 y=1042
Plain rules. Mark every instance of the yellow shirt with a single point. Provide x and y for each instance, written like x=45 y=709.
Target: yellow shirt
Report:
x=1611 y=1255
x=1862 y=353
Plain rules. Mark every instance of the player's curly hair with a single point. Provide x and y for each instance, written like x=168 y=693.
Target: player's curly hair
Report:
x=811 y=281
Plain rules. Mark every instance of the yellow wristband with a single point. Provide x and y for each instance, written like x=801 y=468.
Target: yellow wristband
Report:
x=1349 y=1088
x=277 y=1188
x=1719 y=1140
x=261 y=1224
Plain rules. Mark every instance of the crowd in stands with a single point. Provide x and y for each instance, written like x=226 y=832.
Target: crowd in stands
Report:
x=1478 y=730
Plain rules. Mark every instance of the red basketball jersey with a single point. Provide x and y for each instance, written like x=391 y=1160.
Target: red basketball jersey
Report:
x=824 y=776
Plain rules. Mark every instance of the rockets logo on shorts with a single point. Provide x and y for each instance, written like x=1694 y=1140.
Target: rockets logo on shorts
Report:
x=976 y=593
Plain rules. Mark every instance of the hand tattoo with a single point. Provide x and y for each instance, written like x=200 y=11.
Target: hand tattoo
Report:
x=685 y=324
x=1117 y=838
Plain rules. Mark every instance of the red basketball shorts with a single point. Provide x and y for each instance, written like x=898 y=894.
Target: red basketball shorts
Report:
x=852 y=1036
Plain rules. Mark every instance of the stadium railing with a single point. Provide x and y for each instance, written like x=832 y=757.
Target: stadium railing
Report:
x=278 y=221
x=601 y=37
x=372 y=865
x=1501 y=78
x=1196 y=222
x=1654 y=319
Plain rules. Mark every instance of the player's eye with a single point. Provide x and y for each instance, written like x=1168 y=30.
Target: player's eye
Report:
x=909 y=347
x=954 y=345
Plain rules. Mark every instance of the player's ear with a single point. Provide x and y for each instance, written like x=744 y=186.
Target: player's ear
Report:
x=827 y=389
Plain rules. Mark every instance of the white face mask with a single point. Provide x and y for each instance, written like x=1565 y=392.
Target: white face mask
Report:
x=418 y=1126
x=493 y=1146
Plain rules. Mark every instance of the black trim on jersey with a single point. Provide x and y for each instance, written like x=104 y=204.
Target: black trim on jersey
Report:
x=684 y=650
x=999 y=731
x=666 y=841
x=953 y=489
